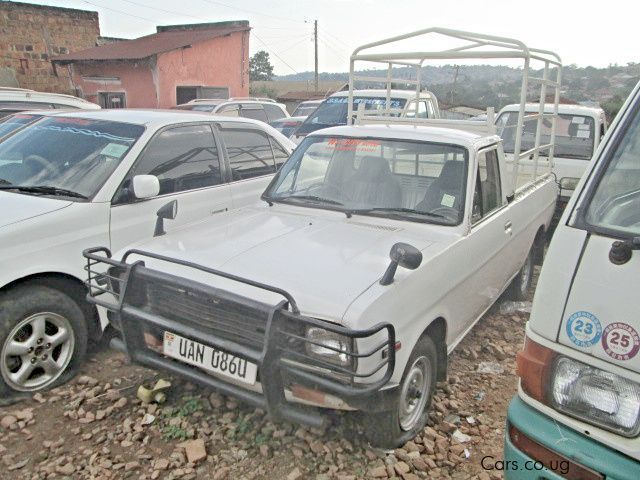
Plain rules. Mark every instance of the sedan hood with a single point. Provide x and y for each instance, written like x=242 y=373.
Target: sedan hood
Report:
x=324 y=260
x=17 y=207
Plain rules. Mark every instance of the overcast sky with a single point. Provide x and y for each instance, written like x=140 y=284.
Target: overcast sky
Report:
x=583 y=32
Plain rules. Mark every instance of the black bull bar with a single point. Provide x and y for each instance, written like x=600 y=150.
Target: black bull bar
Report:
x=274 y=337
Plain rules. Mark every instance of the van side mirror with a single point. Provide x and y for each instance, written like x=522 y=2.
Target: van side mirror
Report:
x=146 y=186
x=167 y=211
x=621 y=251
x=405 y=255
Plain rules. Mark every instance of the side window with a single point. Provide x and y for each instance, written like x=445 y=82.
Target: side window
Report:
x=274 y=112
x=230 y=110
x=422 y=109
x=431 y=111
x=183 y=158
x=249 y=152
x=488 y=194
x=253 y=111
x=279 y=153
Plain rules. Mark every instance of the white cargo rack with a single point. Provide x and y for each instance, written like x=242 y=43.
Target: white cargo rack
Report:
x=474 y=46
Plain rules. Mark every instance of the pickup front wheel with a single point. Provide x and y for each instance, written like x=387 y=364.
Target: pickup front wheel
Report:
x=43 y=338
x=394 y=428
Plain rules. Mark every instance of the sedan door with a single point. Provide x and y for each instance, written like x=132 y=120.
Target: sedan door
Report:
x=186 y=160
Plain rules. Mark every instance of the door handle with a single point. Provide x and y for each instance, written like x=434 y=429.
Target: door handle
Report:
x=219 y=211
x=508 y=228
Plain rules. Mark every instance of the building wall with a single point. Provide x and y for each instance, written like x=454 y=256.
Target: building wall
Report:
x=219 y=62
x=30 y=34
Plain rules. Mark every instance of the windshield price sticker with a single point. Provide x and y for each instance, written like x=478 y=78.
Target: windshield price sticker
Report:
x=620 y=341
x=353 y=144
x=584 y=329
x=114 y=150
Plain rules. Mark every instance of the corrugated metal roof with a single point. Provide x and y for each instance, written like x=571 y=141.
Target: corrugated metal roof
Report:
x=149 y=45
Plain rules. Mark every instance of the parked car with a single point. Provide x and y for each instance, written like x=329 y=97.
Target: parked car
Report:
x=76 y=179
x=14 y=100
x=333 y=110
x=306 y=108
x=577 y=411
x=263 y=109
x=578 y=133
x=376 y=248
x=287 y=126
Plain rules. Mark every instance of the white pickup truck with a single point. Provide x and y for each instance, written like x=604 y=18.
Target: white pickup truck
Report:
x=72 y=180
x=376 y=248
x=579 y=130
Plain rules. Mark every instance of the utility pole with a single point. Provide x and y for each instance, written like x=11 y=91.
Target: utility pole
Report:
x=315 y=41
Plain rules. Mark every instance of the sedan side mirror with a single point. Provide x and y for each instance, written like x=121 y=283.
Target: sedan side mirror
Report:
x=168 y=211
x=146 y=186
x=405 y=255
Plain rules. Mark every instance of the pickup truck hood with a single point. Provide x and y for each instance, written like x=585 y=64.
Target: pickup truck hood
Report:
x=17 y=207
x=323 y=259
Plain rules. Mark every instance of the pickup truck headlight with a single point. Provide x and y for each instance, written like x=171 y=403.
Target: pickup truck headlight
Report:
x=595 y=396
x=328 y=346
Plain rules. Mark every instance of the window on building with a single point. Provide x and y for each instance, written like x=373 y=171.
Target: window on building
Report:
x=249 y=151
x=185 y=94
x=183 y=158
x=112 y=99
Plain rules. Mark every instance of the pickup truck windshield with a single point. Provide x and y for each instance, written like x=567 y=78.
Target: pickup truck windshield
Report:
x=411 y=180
x=333 y=111
x=68 y=154
x=574 y=134
x=615 y=205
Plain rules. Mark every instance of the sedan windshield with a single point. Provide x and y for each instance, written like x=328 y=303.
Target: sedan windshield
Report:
x=574 y=134
x=65 y=156
x=410 y=180
x=333 y=111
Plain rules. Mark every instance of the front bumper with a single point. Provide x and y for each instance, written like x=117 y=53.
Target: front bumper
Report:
x=564 y=441
x=143 y=301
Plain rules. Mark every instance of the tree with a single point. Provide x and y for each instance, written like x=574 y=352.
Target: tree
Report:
x=260 y=67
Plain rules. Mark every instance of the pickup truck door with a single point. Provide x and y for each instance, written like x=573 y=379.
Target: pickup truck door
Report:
x=253 y=157
x=487 y=242
x=187 y=161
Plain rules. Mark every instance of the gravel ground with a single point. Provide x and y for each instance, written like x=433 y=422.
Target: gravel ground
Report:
x=96 y=428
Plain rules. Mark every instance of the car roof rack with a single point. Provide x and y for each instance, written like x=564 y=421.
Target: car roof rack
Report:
x=473 y=46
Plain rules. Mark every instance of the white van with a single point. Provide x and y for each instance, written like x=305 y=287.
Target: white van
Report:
x=14 y=100
x=577 y=412
x=579 y=130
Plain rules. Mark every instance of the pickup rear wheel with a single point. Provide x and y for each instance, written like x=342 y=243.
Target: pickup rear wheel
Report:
x=394 y=428
x=43 y=338
x=520 y=285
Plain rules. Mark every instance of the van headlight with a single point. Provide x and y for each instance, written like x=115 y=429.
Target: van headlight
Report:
x=595 y=396
x=329 y=346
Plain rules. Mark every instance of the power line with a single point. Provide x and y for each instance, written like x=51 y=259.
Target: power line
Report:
x=163 y=10
x=121 y=12
x=252 y=11
x=326 y=44
x=274 y=53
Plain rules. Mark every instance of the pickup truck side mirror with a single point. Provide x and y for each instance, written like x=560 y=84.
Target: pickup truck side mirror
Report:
x=621 y=252
x=146 y=186
x=405 y=255
x=168 y=211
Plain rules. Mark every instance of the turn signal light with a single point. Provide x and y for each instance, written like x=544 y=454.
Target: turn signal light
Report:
x=533 y=366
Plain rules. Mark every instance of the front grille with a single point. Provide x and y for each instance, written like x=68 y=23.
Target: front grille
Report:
x=221 y=317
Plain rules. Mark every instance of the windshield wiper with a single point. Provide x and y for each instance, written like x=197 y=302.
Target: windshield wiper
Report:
x=396 y=209
x=315 y=198
x=4 y=182
x=45 y=190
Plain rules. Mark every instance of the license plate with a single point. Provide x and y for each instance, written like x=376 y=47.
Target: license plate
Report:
x=209 y=358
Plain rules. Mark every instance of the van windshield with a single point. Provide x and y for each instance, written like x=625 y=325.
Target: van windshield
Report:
x=574 y=134
x=408 y=180
x=76 y=155
x=333 y=111
x=615 y=204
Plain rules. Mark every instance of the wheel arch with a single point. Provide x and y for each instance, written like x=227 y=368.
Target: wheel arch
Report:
x=437 y=330
x=539 y=243
x=69 y=285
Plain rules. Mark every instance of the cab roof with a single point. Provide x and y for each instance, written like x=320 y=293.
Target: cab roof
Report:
x=563 y=109
x=382 y=93
x=420 y=133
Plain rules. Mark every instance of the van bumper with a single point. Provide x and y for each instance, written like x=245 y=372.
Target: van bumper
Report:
x=575 y=447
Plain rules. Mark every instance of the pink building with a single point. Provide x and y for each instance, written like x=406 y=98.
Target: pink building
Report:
x=174 y=65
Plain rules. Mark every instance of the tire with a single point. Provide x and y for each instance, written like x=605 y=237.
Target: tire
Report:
x=390 y=429
x=521 y=284
x=43 y=339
